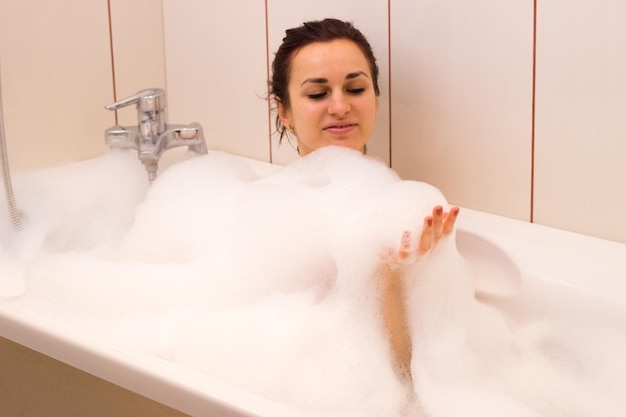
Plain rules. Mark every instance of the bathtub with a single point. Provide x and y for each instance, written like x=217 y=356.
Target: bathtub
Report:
x=524 y=269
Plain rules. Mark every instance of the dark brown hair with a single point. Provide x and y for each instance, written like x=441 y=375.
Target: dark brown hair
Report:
x=326 y=30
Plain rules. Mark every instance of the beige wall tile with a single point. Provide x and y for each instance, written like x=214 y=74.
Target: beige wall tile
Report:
x=580 y=169
x=217 y=70
x=56 y=78
x=137 y=36
x=461 y=77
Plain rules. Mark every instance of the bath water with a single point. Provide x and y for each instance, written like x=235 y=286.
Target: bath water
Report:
x=269 y=283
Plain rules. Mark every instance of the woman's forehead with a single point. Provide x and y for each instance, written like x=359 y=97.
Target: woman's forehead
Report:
x=322 y=60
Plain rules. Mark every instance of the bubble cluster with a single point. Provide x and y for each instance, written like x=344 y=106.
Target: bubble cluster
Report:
x=270 y=283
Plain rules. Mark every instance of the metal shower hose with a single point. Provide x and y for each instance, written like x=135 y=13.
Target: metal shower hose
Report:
x=6 y=173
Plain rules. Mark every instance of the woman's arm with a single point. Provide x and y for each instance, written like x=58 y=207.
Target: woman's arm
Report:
x=392 y=288
x=395 y=320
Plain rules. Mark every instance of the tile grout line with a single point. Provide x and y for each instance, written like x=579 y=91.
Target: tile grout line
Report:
x=389 y=80
x=112 y=56
x=267 y=71
x=533 y=103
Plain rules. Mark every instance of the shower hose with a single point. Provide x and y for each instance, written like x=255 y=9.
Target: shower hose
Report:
x=6 y=173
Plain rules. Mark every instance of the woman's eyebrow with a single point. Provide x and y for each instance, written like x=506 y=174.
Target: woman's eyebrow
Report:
x=356 y=74
x=315 y=81
x=350 y=76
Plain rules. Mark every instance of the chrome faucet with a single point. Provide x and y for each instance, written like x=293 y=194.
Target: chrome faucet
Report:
x=153 y=135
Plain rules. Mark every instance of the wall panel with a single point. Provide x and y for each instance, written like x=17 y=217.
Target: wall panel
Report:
x=139 y=61
x=461 y=94
x=580 y=174
x=215 y=53
x=56 y=78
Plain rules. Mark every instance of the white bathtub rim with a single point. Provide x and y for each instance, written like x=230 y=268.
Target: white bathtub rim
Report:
x=591 y=265
x=167 y=382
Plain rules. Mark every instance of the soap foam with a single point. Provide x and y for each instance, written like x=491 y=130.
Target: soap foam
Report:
x=269 y=283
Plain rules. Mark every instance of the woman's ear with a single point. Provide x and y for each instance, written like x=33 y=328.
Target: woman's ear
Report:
x=284 y=115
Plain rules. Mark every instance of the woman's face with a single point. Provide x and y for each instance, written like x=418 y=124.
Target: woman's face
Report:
x=332 y=97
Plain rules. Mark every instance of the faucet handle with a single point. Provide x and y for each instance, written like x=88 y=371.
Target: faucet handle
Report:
x=152 y=99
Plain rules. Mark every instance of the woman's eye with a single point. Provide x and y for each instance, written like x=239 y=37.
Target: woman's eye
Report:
x=355 y=91
x=316 y=96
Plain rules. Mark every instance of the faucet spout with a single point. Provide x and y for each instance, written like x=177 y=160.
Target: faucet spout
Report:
x=190 y=135
x=122 y=137
x=151 y=168
x=152 y=135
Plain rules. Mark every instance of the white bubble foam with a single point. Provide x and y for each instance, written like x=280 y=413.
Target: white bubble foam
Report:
x=269 y=283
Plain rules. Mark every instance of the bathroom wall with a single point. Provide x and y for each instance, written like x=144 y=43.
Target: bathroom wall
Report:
x=461 y=100
x=56 y=75
x=62 y=62
x=511 y=108
x=580 y=118
x=472 y=101
x=137 y=53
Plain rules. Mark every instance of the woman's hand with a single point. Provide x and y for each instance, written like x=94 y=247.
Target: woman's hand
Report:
x=435 y=227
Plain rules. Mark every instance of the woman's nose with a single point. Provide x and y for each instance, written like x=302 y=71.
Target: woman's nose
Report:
x=339 y=104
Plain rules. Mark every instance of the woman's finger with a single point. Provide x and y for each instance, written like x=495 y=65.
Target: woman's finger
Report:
x=405 y=246
x=437 y=222
x=449 y=220
x=426 y=238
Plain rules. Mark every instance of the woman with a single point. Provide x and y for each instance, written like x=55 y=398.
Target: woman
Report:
x=325 y=86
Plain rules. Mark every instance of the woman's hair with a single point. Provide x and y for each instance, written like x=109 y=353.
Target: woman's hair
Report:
x=326 y=30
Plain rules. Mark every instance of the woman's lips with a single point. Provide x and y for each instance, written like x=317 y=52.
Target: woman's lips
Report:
x=340 y=128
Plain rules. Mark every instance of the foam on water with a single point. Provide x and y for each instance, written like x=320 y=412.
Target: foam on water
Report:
x=269 y=283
